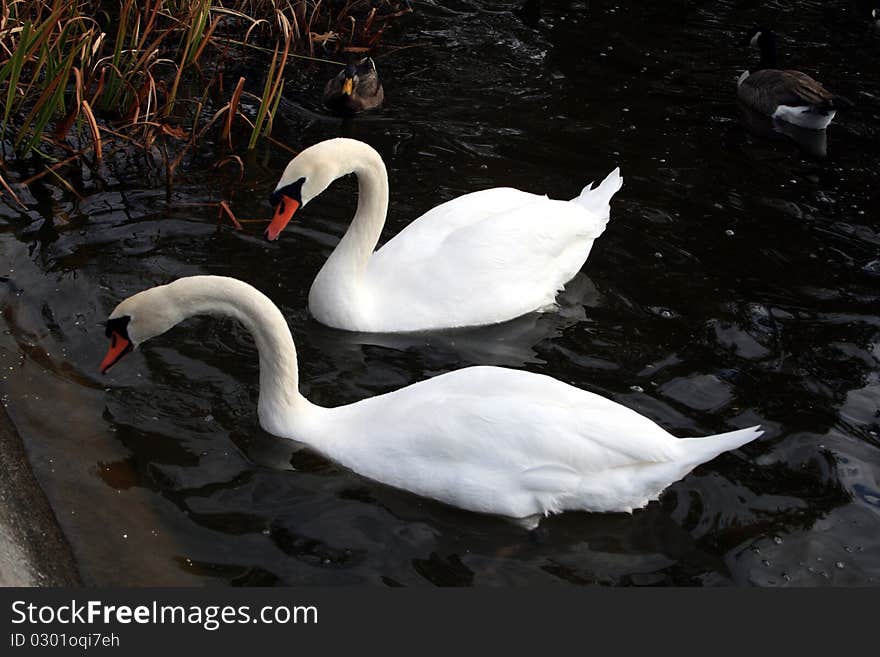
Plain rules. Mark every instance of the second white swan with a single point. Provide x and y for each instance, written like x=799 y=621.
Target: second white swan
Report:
x=481 y=258
x=486 y=439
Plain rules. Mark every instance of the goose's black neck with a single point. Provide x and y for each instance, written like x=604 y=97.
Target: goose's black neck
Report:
x=767 y=44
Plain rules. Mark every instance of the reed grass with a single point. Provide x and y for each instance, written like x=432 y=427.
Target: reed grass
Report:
x=78 y=74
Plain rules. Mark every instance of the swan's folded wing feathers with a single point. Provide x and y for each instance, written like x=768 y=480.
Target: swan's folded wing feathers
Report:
x=502 y=441
x=551 y=478
x=492 y=219
x=519 y=420
x=421 y=237
x=521 y=257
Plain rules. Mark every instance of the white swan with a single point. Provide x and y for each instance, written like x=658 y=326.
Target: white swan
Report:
x=486 y=439
x=481 y=258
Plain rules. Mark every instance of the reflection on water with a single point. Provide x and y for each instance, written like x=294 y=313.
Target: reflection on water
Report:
x=811 y=142
x=736 y=284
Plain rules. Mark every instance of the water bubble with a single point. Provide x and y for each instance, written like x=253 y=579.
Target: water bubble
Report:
x=209 y=418
x=657 y=254
x=840 y=565
x=637 y=388
x=766 y=562
x=777 y=540
x=729 y=233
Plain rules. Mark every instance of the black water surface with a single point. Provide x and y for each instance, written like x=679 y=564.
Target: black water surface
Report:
x=737 y=283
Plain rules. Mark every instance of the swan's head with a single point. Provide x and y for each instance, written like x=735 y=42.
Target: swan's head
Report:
x=137 y=319
x=306 y=176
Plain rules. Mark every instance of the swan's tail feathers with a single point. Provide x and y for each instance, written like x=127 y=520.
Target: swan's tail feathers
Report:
x=700 y=450
x=597 y=200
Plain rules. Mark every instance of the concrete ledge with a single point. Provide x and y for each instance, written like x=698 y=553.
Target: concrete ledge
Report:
x=33 y=550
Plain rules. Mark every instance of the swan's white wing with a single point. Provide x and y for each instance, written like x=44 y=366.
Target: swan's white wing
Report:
x=486 y=257
x=496 y=440
x=421 y=237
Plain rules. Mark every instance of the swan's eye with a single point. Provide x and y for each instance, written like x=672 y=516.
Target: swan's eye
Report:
x=117 y=325
x=293 y=190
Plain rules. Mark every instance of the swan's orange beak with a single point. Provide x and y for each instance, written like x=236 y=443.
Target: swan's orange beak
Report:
x=119 y=346
x=283 y=214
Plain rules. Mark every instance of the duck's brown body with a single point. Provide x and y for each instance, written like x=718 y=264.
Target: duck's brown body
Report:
x=356 y=89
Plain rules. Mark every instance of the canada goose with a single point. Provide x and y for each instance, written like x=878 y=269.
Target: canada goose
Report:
x=783 y=94
x=357 y=88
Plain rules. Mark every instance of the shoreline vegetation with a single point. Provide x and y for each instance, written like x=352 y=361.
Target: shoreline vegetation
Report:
x=80 y=79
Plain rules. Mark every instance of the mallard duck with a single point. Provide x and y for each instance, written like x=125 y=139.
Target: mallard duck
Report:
x=487 y=439
x=482 y=258
x=784 y=94
x=356 y=89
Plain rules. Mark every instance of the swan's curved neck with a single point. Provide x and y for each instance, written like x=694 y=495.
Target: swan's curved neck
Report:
x=350 y=257
x=218 y=295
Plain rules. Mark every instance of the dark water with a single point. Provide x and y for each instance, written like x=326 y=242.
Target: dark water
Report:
x=737 y=283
